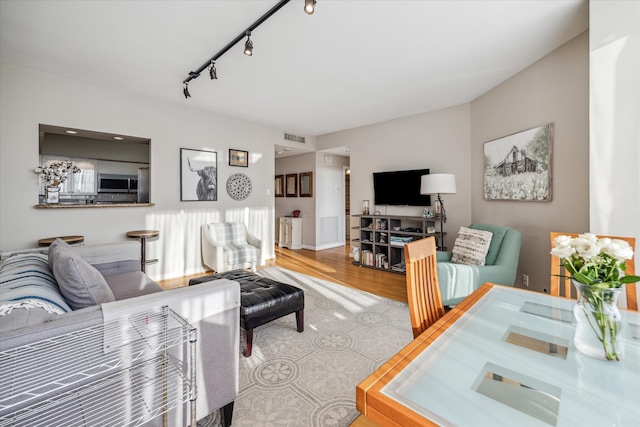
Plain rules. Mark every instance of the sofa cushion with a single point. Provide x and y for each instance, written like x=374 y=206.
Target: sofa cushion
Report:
x=81 y=284
x=232 y=237
x=133 y=284
x=29 y=292
x=112 y=258
x=471 y=246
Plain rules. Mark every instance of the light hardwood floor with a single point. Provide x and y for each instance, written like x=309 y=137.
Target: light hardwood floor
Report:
x=333 y=265
x=329 y=264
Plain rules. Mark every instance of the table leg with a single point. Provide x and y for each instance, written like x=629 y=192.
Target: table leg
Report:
x=143 y=259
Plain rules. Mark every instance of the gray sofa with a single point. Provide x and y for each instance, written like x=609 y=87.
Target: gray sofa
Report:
x=47 y=293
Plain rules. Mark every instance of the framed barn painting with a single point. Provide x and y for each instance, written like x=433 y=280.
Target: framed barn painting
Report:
x=518 y=166
x=198 y=175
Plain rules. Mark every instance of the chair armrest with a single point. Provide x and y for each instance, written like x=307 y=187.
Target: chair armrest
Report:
x=499 y=274
x=212 y=251
x=443 y=255
x=254 y=241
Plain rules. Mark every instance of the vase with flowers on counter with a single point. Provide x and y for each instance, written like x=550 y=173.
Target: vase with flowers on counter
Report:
x=596 y=267
x=53 y=175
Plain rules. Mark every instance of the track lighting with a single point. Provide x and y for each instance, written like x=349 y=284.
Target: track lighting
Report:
x=248 y=45
x=212 y=71
x=309 y=6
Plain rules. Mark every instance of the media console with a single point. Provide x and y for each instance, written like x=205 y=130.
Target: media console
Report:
x=382 y=239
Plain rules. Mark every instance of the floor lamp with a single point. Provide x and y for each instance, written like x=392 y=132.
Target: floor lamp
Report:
x=439 y=183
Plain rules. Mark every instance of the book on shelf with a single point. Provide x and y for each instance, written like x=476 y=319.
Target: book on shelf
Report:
x=400 y=240
x=366 y=257
x=381 y=261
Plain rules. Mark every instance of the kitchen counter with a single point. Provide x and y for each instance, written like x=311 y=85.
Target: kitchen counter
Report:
x=93 y=205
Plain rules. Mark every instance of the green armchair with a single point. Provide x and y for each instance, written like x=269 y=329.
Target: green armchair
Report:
x=457 y=281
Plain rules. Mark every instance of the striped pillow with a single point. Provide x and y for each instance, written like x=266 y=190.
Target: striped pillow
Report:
x=471 y=246
x=26 y=281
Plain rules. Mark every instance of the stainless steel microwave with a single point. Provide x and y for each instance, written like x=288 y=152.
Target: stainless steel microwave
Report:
x=117 y=183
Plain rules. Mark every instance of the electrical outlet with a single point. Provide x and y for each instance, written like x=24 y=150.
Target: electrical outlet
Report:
x=525 y=280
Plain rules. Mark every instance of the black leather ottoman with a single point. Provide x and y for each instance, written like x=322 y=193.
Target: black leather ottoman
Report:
x=262 y=300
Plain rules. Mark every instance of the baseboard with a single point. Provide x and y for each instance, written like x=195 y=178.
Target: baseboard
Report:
x=323 y=247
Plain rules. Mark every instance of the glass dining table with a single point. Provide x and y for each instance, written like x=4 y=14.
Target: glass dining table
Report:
x=505 y=356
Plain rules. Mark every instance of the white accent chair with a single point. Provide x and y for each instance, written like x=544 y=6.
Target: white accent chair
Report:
x=229 y=246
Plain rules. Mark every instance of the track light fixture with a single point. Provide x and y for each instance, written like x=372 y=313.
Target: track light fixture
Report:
x=248 y=45
x=309 y=6
x=212 y=71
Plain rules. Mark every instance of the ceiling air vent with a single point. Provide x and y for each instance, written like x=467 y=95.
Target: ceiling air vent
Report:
x=294 y=138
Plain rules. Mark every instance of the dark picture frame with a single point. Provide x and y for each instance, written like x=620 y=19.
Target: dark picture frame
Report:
x=238 y=158
x=291 y=185
x=198 y=175
x=518 y=166
x=306 y=184
x=279 y=186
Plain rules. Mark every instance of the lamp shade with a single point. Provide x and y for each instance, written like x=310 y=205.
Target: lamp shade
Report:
x=438 y=183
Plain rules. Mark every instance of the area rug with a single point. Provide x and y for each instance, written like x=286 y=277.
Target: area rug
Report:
x=310 y=378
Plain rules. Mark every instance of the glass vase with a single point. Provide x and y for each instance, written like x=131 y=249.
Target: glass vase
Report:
x=52 y=195
x=598 y=321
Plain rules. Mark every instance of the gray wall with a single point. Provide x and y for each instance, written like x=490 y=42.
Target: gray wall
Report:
x=30 y=98
x=437 y=140
x=553 y=90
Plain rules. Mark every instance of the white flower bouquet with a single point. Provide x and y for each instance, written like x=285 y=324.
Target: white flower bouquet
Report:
x=595 y=261
x=597 y=268
x=57 y=172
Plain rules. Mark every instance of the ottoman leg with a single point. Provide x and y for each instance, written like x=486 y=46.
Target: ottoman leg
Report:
x=248 y=343
x=300 y=320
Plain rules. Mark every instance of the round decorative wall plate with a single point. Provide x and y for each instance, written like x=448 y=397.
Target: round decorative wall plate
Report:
x=239 y=186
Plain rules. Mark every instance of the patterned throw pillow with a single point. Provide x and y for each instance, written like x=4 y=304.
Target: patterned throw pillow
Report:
x=471 y=246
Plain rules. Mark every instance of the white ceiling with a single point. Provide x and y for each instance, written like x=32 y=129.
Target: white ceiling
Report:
x=352 y=63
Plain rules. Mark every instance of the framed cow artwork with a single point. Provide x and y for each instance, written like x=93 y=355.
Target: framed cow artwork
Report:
x=198 y=175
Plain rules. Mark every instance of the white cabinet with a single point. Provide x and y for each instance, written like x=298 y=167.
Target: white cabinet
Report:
x=290 y=233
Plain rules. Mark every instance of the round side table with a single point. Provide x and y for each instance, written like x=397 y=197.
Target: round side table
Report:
x=72 y=240
x=143 y=235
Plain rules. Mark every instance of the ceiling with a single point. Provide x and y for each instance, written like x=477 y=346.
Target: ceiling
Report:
x=351 y=64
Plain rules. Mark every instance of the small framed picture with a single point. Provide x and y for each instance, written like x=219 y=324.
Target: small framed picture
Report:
x=306 y=184
x=238 y=158
x=292 y=185
x=279 y=186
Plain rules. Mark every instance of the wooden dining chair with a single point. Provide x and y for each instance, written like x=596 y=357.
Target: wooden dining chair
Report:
x=423 y=289
x=561 y=286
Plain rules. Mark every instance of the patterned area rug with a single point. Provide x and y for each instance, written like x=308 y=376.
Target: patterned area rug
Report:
x=309 y=379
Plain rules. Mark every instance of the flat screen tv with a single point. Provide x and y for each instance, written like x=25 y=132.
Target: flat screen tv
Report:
x=400 y=188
